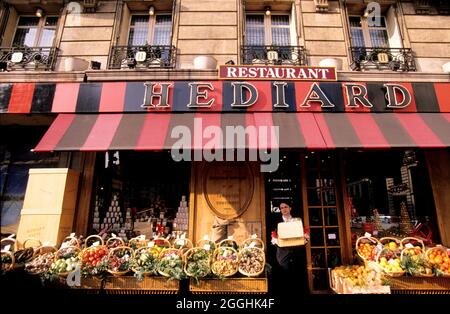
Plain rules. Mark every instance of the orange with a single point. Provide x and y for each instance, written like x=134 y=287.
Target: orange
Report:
x=431 y=256
x=446 y=259
x=438 y=260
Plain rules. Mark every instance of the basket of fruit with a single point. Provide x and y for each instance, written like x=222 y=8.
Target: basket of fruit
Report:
x=119 y=260
x=394 y=244
x=94 y=258
x=390 y=262
x=439 y=258
x=114 y=242
x=415 y=262
x=198 y=263
x=7 y=261
x=367 y=248
x=252 y=242
x=145 y=261
x=66 y=260
x=42 y=260
x=410 y=242
x=171 y=262
x=225 y=261
x=252 y=261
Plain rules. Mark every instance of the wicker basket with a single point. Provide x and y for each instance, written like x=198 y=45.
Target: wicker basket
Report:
x=228 y=243
x=215 y=261
x=73 y=241
x=40 y=251
x=114 y=251
x=91 y=270
x=389 y=273
x=183 y=244
x=110 y=243
x=37 y=241
x=188 y=254
x=433 y=249
x=385 y=241
x=412 y=240
x=138 y=242
x=373 y=242
x=6 y=268
x=151 y=250
x=12 y=242
x=260 y=252
x=249 y=242
x=203 y=242
x=167 y=251
x=76 y=250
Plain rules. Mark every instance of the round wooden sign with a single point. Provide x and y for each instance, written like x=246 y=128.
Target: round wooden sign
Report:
x=228 y=188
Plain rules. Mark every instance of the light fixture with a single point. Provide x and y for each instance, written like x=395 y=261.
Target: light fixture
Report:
x=95 y=65
x=367 y=12
x=151 y=10
x=267 y=9
x=39 y=12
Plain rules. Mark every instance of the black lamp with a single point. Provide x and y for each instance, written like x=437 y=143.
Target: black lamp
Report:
x=95 y=65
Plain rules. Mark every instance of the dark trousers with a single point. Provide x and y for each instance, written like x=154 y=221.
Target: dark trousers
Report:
x=290 y=274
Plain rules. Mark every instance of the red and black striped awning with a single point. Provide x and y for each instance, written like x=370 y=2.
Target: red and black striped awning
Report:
x=153 y=131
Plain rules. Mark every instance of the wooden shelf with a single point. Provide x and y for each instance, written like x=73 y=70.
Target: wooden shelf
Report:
x=150 y=285
x=229 y=285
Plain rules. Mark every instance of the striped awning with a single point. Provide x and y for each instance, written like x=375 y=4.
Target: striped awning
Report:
x=160 y=131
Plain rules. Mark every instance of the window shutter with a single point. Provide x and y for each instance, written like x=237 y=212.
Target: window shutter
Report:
x=393 y=29
x=293 y=26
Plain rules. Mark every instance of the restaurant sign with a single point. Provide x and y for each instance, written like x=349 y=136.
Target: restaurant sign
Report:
x=271 y=73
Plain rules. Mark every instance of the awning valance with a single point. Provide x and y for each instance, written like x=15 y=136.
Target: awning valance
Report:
x=160 y=131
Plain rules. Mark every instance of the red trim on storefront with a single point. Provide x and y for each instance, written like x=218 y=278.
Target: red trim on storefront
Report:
x=443 y=95
x=310 y=130
x=419 y=131
x=367 y=130
x=113 y=97
x=21 y=98
x=66 y=96
x=324 y=130
x=154 y=131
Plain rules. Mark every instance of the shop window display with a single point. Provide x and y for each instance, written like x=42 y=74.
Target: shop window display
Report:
x=389 y=194
x=139 y=193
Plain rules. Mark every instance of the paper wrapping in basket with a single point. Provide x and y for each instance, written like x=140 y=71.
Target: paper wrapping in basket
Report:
x=291 y=233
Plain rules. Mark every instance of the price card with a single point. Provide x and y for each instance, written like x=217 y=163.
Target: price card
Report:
x=64 y=245
x=207 y=247
x=95 y=244
x=183 y=236
x=254 y=236
x=230 y=237
x=332 y=236
x=113 y=235
x=180 y=242
x=409 y=246
x=7 y=247
x=142 y=237
x=46 y=244
x=206 y=237
x=151 y=244
x=367 y=235
x=253 y=244
x=72 y=235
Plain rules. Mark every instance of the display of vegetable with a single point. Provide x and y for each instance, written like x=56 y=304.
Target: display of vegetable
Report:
x=7 y=261
x=225 y=262
x=171 y=264
x=40 y=264
x=145 y=261
x=198 y=263
x=63 y=266
x=119 y=260
x=94 y=261
x=252 y=261
x=23 y=255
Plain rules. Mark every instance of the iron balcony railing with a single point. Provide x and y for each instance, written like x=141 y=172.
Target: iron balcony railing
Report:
x=274 y=55
x=28 y=58
x=147 y=56
x=393 y=59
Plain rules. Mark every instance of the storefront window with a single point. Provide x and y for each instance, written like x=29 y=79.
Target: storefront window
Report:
x=16 y=159
x=389 y=194
x=140 y=193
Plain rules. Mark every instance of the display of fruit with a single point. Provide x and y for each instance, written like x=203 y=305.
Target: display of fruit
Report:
x=171 y=264
x=440 y=260
x=94 y=260
x=252 y=261
x=40 y=264
x=225 y=262
x=367 y=250
x=359 y=275
x=64 y=265
x=414 y=251
x=416 y=264
x=390 y=262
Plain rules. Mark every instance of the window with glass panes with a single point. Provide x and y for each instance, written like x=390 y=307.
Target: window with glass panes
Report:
x=365 y=35
x=150 y=30
x=321 y=212
x=264 y=29
x=34 y=31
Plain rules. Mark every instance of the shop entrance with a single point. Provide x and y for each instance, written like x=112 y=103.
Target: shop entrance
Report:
x=284 y=186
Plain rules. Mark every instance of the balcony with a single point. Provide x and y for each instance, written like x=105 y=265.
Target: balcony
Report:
x=142 y=57
x=391 y=59
x=273 y=55
x=28 y=58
